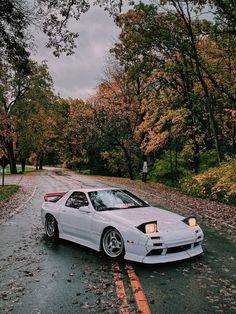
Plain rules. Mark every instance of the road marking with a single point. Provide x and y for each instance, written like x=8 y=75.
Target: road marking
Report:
x=120 y=289
x=139 y=295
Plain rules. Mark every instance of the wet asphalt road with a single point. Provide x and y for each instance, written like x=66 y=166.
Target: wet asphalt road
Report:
x=38 y=275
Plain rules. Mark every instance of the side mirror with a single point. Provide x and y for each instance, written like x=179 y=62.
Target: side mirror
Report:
x=85 y=209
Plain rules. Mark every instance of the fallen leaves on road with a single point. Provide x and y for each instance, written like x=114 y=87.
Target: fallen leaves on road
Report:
x=16 y=202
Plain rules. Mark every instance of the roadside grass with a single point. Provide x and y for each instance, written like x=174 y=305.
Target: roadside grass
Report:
x=7 y=191
x=27 y=169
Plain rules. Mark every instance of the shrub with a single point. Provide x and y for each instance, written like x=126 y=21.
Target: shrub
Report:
x=208 y=159
x=85 y=172
x=192 y=187
x=218 y=183
x=162 y=172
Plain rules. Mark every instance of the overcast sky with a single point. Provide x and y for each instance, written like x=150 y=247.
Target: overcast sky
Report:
x=78 y=75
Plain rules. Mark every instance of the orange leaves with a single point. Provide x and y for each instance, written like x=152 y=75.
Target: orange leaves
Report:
x=170 y=124
x=7 y=127
x=232 y=113
x=115 y=106
x=155 y=141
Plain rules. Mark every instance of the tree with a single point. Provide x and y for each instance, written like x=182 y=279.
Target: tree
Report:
x=36 y=116
x=14 y=43
x=54 y=16
x=59 y=13
x=184 y=66
x=78 y=135
x=14 y=84
x=117 y=115
x=22 y=98
x=225 y=14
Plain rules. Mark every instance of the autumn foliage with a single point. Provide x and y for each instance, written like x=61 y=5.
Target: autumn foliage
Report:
x=167 y=97
x=218 y=184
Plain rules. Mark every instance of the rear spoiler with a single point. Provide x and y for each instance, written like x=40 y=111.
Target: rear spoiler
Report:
x=48 y=195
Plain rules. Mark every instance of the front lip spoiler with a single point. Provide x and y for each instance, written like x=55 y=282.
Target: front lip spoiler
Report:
x=160 y=259
x=173 y=257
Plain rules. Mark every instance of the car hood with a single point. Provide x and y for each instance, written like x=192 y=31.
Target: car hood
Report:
x=137 y=216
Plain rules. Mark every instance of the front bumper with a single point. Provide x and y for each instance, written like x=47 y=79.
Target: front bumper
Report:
x=167 y=248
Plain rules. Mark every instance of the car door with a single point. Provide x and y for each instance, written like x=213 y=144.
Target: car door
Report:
x=76 y=216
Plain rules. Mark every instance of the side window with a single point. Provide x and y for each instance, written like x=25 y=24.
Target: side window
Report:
x=77 y=199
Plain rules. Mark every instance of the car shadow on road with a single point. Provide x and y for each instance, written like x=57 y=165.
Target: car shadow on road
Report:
x=75 y=250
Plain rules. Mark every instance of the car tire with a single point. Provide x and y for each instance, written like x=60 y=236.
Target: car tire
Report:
x=51 y=227
x=113 y=244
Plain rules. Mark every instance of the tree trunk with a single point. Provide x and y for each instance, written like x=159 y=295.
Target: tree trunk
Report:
x=176 y=159
x=171 y=161
x=234 y=139
x=210 y=108
x=11 y=156
x=23 y=160
x=130 y=168
x=186 y=17
x=41 y=162
x=196 y=157
x=129 y=163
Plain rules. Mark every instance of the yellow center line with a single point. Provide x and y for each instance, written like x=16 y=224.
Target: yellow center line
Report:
x=120 y=289
x=139 y=295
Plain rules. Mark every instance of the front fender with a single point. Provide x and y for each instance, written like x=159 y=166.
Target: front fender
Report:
x=132 y=237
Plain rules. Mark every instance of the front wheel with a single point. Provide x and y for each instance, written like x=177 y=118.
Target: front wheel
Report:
x=113 y=244
x=51 y=227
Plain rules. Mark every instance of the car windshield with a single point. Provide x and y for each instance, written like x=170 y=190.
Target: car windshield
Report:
x=115 y=199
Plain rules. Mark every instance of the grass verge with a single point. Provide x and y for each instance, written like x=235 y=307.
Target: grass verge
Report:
x=27 y=169
x=7 y=191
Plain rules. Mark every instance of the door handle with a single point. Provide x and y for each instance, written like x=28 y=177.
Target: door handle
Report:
x=85 y=211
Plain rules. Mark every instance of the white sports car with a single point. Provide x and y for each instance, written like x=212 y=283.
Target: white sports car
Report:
x=121 y=224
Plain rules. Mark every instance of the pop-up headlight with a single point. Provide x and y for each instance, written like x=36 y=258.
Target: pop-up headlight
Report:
x=149 y=227
x=191 y=221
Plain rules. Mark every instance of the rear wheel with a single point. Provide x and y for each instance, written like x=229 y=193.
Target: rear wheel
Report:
x=113 y=244
x=51 y=227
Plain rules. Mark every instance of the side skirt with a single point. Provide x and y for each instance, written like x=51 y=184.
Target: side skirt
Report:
x=79 y=241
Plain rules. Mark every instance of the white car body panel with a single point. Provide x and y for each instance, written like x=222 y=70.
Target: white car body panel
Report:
x=173 y=241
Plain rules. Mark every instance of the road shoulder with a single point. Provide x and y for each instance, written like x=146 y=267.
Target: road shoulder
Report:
x=13 y=205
